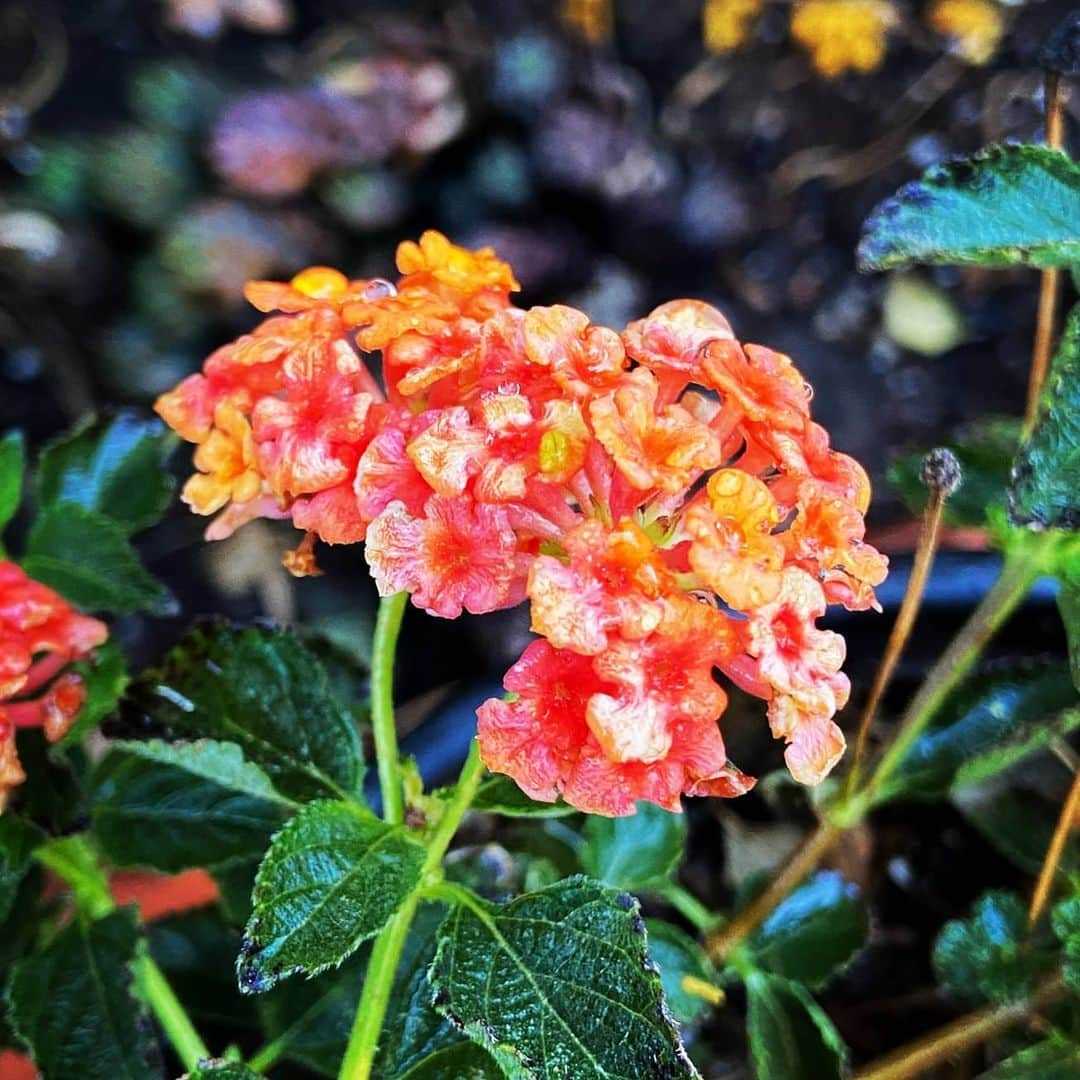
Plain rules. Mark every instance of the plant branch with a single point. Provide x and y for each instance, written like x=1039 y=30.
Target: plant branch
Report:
x=1053 y=853
x=971 y=1030
x=170 y=1012
x=384 y=648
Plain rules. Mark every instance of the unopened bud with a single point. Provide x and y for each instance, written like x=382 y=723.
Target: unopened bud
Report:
x=941 y=471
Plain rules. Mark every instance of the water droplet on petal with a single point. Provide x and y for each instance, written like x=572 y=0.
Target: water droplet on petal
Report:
x=379 y=289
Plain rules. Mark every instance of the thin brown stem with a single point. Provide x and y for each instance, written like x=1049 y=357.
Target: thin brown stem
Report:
x=1053 y=853
x=971 y=1030
x=1050 y=285
x=901 y=631
x=720 y=943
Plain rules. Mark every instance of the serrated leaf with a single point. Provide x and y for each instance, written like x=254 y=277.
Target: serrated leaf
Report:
x=678 y=955
x=989 y=724
x=104 y=677
x=1055 y=1058
x=790 y=1035
x=115 y=467
x=12 y=468
x=499 y=794
x=173 y=806
x=1005 y=206
x=219 y=1069
x=634 y=852
x=559 y=979
x=989 y=956
x=1065 y=919
x=86 y=557
x=332 y=878
x=73 y=1006
x=418 y=1042
x=1044 y=490
x=18 y=839
x=813 y=933
x=262 y=689
x=985 y=450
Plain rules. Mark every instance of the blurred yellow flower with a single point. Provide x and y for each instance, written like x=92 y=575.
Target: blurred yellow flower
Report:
x=843 y=34
x=594 y=20
x=725 y=24
x=975 y=27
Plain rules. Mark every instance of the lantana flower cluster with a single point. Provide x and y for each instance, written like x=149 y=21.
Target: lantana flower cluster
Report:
x=661 y=496
x=40 y=634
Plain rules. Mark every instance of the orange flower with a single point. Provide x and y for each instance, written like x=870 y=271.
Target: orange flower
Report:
x=226 y=463
x=460 y=269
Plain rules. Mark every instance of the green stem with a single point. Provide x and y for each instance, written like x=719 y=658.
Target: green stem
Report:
x=689 y=906
x=387 y=627
x=371 y=1011
x=74 y=860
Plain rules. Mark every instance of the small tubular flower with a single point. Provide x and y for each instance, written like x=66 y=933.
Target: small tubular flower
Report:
x=843 y=35
x=975 y=27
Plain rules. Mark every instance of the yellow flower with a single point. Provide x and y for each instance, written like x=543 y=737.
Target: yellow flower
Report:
x=725 y=24
x=594 y=20
x=974 y=27
x=843 y=34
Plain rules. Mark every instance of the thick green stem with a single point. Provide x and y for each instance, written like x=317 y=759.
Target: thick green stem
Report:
x=382 y=967
x=170 y=1013
x=689 y=906
x=387 y=627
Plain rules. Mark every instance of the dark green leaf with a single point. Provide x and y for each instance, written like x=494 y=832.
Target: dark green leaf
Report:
x=1065 y=920
x=105 y=677
x=55 y=799
x=18 y=839
x=86 y=557
x=499 y=794
x=985 y=450
x=12 y=467
x=1005 y=206
x=115 y=467
x=790 y=1035
x=633 y=852
x=262 y=689
x=312 y=1018
x=1069 y=605
x=331 y=879
x=235 y=881
x=678 y=955
x=417 y=1042
x=178 y=805
x=72 y=1004
x=813 y=933
x=989 y=956
x=988 y=725
x=1044 y=490
x=1054 y=1059
x=221 y=1070
x=560 y=979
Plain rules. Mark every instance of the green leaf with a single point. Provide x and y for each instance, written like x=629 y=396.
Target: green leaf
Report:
x=220 y=1069
x=12 y=467
x=235 y=881
x=499 y=794
x=105 y=677
x=86 y=557
x=18 y=839
x=173 y=806
x=115 y=467
x=72 y=1004
x=678 y=955
x=989 y=957
x=635 y=852
x=311 y=1018
x=418 y=1042
x=1068 y=601
x=260 y=688
x=1004 y=206
x=332 y=878
x=559 y=979
x=1055 y=1058
x=1065 y=919
x=813 y=933
x=790 y=1035
x=1044 y=490
x=991 y=723
x=985 y=450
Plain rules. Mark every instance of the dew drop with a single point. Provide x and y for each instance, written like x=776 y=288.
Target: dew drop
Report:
x=808 y=390
x=379 y=289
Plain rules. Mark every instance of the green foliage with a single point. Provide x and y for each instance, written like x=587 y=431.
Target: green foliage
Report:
x=86 y=557
x=72 y=1004
x=178 y=805
x=559 y=980
x=105 y=677
x=636 y=853
x=1065 y=920
x=221 y=1070
x=499 y=794
x=678 y=955
x=1069 y=605
x=790 y=1035
x=262 y=689
x=1004 y=206
x=12 y=467
x=332 y=878
x=989 y=956
x=985 y=450
x=989 y=724
x=114 y=467
x=1044 y=490
x=18 y=839
x=811 y=934
x=1055 y=1058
